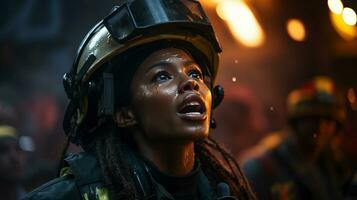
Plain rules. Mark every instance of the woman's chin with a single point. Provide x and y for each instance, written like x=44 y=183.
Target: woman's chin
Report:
x=185 y=137
x=195 y=131
x=194 y=136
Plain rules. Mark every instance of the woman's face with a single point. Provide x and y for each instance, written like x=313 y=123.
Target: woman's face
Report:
x=170 y=100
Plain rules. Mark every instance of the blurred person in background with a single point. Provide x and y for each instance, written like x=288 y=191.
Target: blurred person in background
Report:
x=142 y=92
x=239 y=115
x=303 y=161
x=11 y=164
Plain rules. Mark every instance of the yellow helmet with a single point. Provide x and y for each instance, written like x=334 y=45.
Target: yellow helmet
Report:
x=133 y=24
x=7 y=131
x=317 y=97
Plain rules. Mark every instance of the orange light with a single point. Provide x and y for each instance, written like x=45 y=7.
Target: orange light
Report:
x=345 y=31
x=351 y=96
x=241 y=22
x=210 y=2
x=323 y=83
x=296 y=30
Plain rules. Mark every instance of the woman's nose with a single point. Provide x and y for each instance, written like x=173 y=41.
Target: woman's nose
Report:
x=188 y=84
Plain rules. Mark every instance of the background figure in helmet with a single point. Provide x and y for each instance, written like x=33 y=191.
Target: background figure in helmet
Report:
x=141 y=100
x=12 y=164
x=301 y=161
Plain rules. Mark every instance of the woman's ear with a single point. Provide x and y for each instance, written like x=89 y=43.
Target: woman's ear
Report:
x=218 y=95
x=125 y=118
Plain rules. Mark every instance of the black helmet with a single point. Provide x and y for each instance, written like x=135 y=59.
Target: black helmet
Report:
x=132 y=24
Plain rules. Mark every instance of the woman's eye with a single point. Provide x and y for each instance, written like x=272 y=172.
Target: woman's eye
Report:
x=161 y=76
x=196 y=74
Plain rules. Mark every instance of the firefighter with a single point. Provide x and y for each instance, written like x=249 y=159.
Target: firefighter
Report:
x=299 y=162
x=142 y=91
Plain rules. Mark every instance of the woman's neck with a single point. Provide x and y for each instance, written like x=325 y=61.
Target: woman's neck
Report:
x=174 y=159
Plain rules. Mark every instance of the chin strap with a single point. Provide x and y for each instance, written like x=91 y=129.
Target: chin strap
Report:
x=106 y=102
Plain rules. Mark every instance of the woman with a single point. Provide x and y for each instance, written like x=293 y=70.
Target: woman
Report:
x=142 y=96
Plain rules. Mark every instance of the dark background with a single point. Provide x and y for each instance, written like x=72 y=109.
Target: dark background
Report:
x=39 y=39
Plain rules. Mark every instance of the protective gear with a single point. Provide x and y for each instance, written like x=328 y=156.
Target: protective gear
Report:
x=82 y=179
x=317 y=97
x=135 y=23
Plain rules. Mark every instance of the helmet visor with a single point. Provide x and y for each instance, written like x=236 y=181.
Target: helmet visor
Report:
x=142 y=17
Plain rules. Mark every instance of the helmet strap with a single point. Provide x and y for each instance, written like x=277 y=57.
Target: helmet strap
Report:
x=106 y=101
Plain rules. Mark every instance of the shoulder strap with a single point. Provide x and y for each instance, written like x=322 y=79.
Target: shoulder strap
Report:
x=141 y=174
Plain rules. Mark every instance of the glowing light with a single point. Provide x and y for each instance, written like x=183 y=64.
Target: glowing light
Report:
x=345 y=31
x=271 y=108
x=241 y=22
x=26 y=143
x=210 y=2
x=234 y=79
x=335 y=6
x=349 y=16
x=351 y=96
x=296 y=29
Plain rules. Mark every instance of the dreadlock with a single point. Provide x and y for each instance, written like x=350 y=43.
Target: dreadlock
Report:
x=115 y=169
x=216 y=170
x=118 y=176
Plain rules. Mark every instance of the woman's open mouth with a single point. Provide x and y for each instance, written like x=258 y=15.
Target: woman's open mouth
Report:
x=192 y=108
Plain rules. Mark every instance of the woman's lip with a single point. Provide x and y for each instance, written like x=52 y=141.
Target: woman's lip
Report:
x=193 y=116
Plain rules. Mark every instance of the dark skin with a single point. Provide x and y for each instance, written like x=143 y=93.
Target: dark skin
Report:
x=170 y=109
